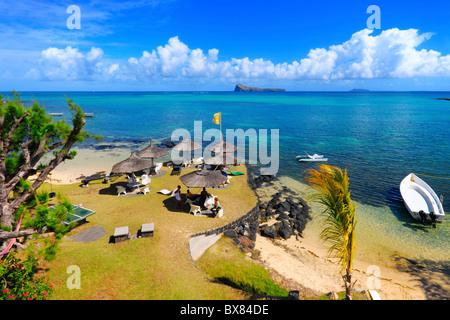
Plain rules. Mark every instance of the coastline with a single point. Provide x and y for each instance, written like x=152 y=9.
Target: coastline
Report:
x=303 y=261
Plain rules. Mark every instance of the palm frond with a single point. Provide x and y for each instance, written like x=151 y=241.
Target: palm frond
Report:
x=331 y=187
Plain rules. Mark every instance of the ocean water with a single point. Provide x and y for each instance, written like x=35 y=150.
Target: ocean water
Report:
x=379 y=137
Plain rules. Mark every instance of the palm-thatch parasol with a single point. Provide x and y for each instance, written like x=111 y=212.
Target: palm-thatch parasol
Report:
x=187 y=145
x=132 y=164
x=203 y=179
x=152 y=152
x=222 y=146
x=221 y=159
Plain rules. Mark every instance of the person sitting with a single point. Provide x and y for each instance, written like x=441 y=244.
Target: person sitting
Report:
x=216 y=208
x=203 y=197
x=190 y=195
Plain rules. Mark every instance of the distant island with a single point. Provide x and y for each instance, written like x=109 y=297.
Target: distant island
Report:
x=446 y=99
x=359 y=90
x=240 y=87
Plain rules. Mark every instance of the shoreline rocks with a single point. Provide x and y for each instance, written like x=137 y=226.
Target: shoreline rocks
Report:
x=290 y=213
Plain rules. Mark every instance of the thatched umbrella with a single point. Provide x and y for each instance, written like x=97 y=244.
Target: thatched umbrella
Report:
x=132 y=164
x=222 y=146
x=187 y=145
x=152 y=152
x=203 y=179
x=221 y=160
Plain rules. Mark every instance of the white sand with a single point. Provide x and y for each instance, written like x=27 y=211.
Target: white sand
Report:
x=86 y=163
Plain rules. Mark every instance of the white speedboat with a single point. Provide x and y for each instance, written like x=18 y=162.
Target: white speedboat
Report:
x=314 y=157
x=420 y=200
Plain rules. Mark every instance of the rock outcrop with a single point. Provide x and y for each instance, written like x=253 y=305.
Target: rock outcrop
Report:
x=241 y=88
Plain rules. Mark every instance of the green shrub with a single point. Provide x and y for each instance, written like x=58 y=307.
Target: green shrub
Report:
x=18 y=280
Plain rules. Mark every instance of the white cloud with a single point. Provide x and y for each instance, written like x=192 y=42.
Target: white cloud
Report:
x=391 y=54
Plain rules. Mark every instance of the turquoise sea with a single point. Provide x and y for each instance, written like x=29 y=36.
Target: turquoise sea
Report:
x=379 y=137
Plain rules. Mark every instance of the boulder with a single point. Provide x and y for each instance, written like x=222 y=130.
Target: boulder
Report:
x=269 y=232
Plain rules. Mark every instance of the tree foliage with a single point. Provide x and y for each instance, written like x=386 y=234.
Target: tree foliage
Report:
x=27 y=134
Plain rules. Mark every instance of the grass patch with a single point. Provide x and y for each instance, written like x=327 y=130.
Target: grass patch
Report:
x=227 y=264
x=159 y=267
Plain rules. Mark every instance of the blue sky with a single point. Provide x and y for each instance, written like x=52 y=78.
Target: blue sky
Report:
x=212 y=45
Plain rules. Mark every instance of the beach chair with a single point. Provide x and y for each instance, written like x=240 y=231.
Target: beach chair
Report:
x=158 y=167
x=145 y=179
x=198 y=161
x=121 y=190
x=195 y=209
x=145 y=190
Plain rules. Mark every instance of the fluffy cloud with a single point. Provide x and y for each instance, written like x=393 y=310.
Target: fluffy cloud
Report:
x=391 y=54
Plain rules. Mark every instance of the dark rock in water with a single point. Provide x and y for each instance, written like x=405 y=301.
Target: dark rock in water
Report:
x=169 y=144
x=104 y=146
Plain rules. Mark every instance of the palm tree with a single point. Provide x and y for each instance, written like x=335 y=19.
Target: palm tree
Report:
x=331 y=190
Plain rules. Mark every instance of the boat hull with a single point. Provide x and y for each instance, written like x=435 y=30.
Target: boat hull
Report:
x=312 y=160
x=419 y=196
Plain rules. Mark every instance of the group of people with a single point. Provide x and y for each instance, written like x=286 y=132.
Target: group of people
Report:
x=200 y=200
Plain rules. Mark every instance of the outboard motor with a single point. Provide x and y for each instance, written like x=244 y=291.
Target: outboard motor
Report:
x=423 y=216
x=433 y=219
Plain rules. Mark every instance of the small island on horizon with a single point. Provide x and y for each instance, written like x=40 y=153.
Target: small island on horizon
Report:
x=359 y=90
x=242 y=88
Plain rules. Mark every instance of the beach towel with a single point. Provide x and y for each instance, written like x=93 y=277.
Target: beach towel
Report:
x=237 y=173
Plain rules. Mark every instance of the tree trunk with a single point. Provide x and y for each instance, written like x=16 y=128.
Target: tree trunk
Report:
x=4 y=235
x=348 y=285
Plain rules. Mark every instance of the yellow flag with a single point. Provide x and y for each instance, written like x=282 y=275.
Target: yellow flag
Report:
x=216 y=119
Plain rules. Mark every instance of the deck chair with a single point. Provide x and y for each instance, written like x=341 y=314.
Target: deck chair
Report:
x=195 y=209
x=145 y=190
x=145 y=179
x=121 y=189
x=158 y=167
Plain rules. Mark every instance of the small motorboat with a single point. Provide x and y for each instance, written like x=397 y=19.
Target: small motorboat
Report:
x=314 y=157
x=56 y=114
x=420 y=200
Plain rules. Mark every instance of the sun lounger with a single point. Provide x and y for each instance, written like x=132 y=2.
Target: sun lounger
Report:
x=237 y=173
x=167 y=192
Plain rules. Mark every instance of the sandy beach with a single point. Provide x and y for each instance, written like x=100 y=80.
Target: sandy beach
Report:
x=303 y=262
